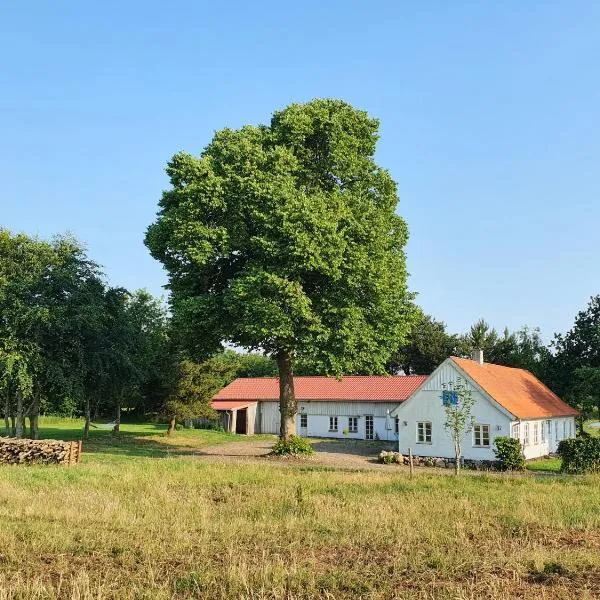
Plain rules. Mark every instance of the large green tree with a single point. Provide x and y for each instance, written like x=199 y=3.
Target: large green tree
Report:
x=576 y=364
x=284 y=238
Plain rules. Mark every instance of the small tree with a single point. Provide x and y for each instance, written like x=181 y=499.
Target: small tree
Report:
x=194 y=387
x=458 y=404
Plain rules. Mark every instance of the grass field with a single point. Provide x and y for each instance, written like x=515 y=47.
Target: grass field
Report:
x=138 y=519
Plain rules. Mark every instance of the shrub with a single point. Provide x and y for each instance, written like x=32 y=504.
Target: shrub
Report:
x=580 y=455
x=292 y=446
x=388 y=458
x=509 y=454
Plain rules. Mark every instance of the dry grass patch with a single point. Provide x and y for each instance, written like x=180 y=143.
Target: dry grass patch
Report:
x=181 y=528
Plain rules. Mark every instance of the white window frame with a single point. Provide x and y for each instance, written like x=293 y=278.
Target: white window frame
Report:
x=397 y=425
x=478 y=435
x=564 y=429
x=423 y=437
x=543 y=432
x=536 y=434
x=352 y=424
x=303 y=421
x=515 y=431
x=557 y=437
x=549 y=429
x=333 y=424
x=525 y=434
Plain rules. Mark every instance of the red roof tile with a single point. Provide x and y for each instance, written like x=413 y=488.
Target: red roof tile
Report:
x=350 y=388
x=517 y=390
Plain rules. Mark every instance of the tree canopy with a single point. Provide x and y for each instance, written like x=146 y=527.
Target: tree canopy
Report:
x=284 y=238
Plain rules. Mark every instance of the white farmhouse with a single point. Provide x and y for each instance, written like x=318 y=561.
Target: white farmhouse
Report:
x=508 y=402
x=354 y=407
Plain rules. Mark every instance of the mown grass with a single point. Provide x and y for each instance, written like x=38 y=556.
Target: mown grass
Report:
x=138 y=526
x=133 y=440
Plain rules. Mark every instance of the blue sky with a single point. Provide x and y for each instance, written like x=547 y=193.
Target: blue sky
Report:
x=490 y=124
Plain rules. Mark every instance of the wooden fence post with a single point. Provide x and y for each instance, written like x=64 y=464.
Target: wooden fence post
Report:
x=70 y=453
x=79 y=451
x=410 y=463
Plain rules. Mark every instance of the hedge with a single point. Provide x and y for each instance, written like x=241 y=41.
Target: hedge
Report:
x=580 y=455
x=509 y=454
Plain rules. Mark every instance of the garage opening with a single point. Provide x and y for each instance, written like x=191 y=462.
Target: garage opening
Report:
x=241 y=425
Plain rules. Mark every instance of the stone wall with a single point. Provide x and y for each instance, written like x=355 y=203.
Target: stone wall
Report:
x=440 y=462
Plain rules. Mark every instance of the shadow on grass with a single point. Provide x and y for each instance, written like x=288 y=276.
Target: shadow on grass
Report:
x=131 y=441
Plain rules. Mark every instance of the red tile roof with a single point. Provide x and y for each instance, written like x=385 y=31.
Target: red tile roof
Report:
x=517 y=390
x=350 y=388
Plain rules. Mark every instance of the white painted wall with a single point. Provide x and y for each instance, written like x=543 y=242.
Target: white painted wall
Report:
x=318 y=413
x=554 y=430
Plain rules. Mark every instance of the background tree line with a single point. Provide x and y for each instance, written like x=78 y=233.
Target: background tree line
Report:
x=70 y=344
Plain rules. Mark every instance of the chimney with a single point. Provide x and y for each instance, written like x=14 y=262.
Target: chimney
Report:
x=477 y=355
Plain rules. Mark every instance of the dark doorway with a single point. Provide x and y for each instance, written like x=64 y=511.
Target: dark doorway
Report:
x=241 y=425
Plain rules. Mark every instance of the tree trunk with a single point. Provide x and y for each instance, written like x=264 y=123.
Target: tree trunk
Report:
x=6 y=412
x=457 y=454
x=20 y=424
x=117 y=426
x=86 y=427
x=287 y=397
x=34 y=411
x=171 y=428
x=13 y=425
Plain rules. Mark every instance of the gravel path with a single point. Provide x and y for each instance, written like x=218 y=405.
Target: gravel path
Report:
x=341 y=454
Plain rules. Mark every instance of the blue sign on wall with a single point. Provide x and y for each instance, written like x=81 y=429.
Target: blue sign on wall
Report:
x=449 y=397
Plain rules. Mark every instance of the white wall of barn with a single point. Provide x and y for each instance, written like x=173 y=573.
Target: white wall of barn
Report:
x=318 y=415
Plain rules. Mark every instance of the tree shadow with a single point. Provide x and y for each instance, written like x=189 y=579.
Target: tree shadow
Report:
x=124 y=443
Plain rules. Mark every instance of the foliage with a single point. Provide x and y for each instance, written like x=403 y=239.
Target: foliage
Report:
x=69 y=344
x=459 y=417
x=577 y=360
x=293 y=445
x=509 y=454
x=285 y=239
x=388 y=458
x=426 y=346
x=580 y=455
x=194 y=386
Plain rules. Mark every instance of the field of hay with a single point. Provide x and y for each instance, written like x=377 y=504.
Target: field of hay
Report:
x=142 y=517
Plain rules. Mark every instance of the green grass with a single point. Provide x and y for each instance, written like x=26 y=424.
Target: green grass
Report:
x=159 y=523
x=134 y=439
x=545 y=464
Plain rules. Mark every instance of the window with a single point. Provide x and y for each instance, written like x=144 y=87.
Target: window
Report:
x=396 y=425
x=570 y=428
x=536 y=433
x=564 y=429
x=514 y=431
x=424 y=432
x=303 y=420
x=526 y=434
x=543 y=431
x=481 y=436
x=369 y=427
x=549 y=429
x=333 y=425
x=556 y=436
x=352 y=424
